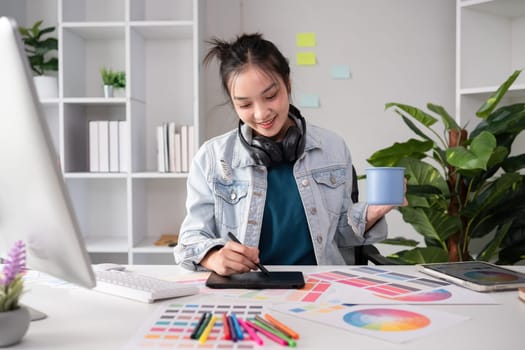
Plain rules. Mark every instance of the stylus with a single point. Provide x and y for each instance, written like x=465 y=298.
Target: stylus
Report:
x=259 y=265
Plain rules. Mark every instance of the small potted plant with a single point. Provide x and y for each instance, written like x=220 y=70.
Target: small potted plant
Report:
x=14 y=318
x=40 y=53
x=112 y=80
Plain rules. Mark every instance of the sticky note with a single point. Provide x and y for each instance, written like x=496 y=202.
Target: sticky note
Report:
x=305 y=39
x=305 y=59
x=340 y=71
x=308 y=101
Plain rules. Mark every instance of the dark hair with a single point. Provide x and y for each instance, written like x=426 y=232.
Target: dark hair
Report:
x=247 y=49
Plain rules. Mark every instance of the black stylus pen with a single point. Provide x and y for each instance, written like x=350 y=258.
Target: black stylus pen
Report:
x=259 y=265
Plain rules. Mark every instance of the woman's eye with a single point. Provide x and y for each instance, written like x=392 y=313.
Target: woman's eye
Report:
x=271 y=97
x=244 y=106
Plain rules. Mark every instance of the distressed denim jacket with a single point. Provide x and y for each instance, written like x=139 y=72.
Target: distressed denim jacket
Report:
x=226 y=191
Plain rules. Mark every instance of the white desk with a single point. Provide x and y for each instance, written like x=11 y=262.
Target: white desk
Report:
x=84 y=319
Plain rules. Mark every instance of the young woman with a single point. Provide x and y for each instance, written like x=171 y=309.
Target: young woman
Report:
x=279 y=184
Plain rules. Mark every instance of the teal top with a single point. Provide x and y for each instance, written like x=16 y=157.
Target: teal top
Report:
x=285 y=236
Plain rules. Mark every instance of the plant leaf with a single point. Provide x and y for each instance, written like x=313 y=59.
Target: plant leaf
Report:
x=390 y=156
x=476 y=156
x=492 y=246
x=422 y=117
x=422 y=255
x=432 y=223
x=400 y=241
x=448 y=121
x=489 y=105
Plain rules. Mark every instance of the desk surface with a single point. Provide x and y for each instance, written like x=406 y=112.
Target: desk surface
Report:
x=85 y=319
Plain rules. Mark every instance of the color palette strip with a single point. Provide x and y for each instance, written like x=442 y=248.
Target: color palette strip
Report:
x=173 y=324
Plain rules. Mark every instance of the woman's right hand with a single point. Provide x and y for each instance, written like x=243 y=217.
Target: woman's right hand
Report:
x=231 y=258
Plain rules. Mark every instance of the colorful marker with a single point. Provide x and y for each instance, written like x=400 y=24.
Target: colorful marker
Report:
x=289 y=341
x=282 y=327
x=226 y=327
x=251 y=332
x=195 y=333
x=206 y=332
x=268 y=334
x=238 y=330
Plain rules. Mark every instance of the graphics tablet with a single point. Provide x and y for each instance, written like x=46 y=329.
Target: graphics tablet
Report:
x=476 y=275
x=258 y=280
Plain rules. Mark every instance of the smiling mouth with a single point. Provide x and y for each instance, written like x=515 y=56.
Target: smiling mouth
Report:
x=267 y=124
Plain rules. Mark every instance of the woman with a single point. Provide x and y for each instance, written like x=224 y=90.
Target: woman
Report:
x=280 y=185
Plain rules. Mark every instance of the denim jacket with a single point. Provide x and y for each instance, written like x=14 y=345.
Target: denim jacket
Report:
x=226 y=191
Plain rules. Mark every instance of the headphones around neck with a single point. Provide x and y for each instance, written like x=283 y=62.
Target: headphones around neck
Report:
x=268 y=152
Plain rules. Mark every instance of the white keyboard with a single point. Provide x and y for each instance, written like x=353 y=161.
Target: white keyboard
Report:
x=140 y=287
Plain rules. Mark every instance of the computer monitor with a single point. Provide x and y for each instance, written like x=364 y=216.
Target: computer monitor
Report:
x=34 y=203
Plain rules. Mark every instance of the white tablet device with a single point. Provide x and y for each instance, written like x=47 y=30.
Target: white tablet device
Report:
x=476 y=275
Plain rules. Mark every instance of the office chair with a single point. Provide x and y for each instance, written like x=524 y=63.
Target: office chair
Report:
x=363 y=254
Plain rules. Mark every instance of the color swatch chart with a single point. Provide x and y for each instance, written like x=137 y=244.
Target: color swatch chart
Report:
x=172 y=325
x=373 y=285
x=313 y=290
x=392 y=323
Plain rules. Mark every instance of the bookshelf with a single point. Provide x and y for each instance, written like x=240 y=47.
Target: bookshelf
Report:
x=489 y=47
x=157 y=44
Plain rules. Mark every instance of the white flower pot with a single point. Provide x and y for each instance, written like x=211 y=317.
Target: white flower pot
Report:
x=13 y=325
x=46 y=86
x=108 y=91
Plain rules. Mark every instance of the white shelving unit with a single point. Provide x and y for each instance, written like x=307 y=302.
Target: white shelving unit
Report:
x=157 y=43
x=489 y=47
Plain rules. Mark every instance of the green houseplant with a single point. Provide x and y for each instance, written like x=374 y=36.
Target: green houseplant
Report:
x=41 y=53
x=112 y=80
x=38 y=48
x=462 y=185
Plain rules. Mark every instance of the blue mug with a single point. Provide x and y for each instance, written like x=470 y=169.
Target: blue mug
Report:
x=385 y=185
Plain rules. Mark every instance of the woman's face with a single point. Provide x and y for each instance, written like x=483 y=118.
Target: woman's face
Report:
x=261 y=101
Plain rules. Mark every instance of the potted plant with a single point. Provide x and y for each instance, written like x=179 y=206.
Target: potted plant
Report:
x=112 y=80
x=462 y=186
x=14 y=319
x=40 y=51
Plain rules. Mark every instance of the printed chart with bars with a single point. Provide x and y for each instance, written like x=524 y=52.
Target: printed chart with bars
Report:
x=173 y=323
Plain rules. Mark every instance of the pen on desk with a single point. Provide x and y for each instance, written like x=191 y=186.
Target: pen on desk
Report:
x=226 y=327
x=208 y=329
x=264 y=324
x=282 y=327
x=238 y=330
x=268 y=334
x=259 y=265
x=193 y=334
x=250 y=332
x=200 y=330
x=233 y=334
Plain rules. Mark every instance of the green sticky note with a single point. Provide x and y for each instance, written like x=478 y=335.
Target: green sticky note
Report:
x=305 y=39
x=340 y=71
x=305 y=59
x=308 y=101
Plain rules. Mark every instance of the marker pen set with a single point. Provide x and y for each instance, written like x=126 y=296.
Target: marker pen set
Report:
x=236 y=329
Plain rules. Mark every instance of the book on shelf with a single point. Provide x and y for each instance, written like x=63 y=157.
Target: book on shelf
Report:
x=184 y=148
x=103 y=146
x=160 y=149
x=93 y=146
x=107 y=146
x=123 y=146
x=191 y=144
x=113 y=146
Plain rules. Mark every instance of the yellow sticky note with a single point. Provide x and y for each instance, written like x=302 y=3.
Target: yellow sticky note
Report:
x=305 y=39
x=305 y=58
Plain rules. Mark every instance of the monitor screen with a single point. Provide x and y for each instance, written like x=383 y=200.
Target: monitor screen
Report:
x=34 y=202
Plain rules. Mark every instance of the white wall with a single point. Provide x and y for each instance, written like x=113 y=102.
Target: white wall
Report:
x=398 y=51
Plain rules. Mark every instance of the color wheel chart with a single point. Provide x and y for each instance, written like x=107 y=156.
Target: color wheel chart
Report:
x=172 y=325
x=373 y=285
x=396 y=324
